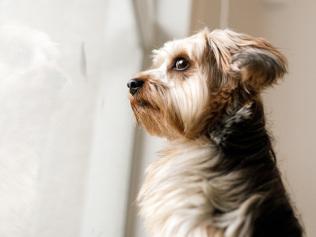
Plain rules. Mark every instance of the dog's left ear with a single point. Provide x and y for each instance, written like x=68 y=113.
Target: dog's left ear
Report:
x=254 y=62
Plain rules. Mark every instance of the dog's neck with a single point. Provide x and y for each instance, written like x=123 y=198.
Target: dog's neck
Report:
x=244 y=145
x=241 y=132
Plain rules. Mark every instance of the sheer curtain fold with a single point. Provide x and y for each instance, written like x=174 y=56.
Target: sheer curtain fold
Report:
x=65 y=126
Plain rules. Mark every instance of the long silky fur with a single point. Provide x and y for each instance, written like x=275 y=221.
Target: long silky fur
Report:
x=218 y=176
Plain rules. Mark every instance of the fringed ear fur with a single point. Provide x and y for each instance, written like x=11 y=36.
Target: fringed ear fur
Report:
x=253 y=62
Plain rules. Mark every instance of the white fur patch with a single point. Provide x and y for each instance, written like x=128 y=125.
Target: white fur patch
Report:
x=180 y=194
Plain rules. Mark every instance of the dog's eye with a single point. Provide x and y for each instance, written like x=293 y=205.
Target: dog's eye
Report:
x=181 y=64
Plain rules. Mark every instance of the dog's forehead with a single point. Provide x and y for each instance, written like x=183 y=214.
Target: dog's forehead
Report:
x=194 y=44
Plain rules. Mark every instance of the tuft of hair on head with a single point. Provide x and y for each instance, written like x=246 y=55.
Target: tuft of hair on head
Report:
x=252 y=62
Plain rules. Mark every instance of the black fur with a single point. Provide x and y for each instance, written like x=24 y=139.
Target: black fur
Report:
x=245 y=146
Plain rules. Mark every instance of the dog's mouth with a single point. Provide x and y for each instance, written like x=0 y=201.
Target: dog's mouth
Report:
x=141 y=99
x=144 y=104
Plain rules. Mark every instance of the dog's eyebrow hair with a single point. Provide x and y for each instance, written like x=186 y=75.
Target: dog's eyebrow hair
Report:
x=182 y=53
x=178 y=53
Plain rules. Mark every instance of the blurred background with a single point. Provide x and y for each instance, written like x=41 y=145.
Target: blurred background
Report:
x=71 y=156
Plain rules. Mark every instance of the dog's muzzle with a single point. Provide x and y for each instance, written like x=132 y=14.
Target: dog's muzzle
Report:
x=134 y=85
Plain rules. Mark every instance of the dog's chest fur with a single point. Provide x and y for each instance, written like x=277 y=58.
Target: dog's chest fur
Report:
x=182 y=196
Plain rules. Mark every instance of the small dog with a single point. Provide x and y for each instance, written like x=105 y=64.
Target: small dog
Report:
x=218 y=176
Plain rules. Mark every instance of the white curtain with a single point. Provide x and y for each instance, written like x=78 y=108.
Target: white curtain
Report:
x=65 y=124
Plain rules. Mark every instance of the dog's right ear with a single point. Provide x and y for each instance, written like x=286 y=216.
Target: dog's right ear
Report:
x=258 y=65
x=253 y=62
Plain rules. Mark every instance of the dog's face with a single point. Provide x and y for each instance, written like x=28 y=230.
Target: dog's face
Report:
x=193 y=80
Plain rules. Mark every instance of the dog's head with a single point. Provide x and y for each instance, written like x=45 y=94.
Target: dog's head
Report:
x=193 y=80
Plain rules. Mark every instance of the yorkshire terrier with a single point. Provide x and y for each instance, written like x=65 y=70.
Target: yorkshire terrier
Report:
x=218 y=176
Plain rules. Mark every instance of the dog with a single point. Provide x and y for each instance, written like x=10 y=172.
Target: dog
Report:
x=218 y=175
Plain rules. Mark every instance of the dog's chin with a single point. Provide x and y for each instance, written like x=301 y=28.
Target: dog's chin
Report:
x=152 y=119
x=146 y=116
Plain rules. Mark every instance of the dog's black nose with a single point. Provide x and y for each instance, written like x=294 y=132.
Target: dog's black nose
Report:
x=134 y=85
